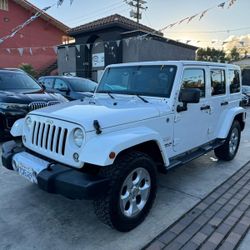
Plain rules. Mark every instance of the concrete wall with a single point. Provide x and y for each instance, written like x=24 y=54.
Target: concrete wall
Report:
x=243 y=63
x=66 y=60
x=153 y=50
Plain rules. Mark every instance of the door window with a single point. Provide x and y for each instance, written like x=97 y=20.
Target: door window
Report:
x=61 y=85
x=194 y=78
x=234 y=80
x=48 y=83
x=218 y=82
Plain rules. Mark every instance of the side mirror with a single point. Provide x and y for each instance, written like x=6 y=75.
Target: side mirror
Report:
x=190 y=95
x=186 y=96
x=42 y=85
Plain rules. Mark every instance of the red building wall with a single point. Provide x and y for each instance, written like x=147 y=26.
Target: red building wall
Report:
x=39 y=33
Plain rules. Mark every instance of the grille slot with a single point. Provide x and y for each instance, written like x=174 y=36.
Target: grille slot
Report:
x=49 y=137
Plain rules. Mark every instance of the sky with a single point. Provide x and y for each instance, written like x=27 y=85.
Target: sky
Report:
x=217 y=25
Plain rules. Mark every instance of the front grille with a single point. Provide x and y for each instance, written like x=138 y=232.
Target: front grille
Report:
x=38 y=105
x=49 y=137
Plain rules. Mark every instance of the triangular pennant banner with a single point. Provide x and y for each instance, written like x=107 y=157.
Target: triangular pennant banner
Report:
x=8 y=50
x=78 y=47
x=118 y=43
x=88 y=45
x=31 y=52
x=20 y=50
x=203 y=14
x=191 y=18
x=231 y=3
x=127 y=41
x=222 y=5
x=181 y=21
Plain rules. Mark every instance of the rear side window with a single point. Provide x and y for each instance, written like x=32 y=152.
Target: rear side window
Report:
x=194 y=78
x=218 y=82
x=234 y=80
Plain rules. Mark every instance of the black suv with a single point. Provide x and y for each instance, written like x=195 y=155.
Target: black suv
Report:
x=19 y=94
x=72 y=88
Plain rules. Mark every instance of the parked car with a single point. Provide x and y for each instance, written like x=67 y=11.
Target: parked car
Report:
x=144 y=117
x=20 y=94
x=72 y=88
x=246 y=94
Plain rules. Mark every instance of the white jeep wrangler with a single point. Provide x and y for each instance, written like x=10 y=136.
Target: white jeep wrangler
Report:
x=143 y=118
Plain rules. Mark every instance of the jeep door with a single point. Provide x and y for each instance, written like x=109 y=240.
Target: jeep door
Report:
x=219 y=99
x=191 y=126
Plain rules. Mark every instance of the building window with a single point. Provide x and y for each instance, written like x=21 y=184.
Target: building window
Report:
x=4 y=5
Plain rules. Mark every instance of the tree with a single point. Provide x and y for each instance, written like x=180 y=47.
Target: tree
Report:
x=234 y=54
x=211 y=55
x=28 y=69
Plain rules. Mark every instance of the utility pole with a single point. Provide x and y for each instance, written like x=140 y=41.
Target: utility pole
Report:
x=137 y=6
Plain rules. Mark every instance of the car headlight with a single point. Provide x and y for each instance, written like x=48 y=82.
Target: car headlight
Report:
x=4 y=105
x=28 y=122
x=78 y=137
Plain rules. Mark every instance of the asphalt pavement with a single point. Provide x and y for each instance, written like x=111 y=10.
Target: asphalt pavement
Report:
x=33 y=219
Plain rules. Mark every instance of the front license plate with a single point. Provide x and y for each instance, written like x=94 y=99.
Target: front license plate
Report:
x=28 y=174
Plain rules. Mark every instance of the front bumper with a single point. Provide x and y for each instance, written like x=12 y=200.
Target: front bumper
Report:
x=57 y=178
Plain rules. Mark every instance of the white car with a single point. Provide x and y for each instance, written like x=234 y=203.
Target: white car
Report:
x=144 y=117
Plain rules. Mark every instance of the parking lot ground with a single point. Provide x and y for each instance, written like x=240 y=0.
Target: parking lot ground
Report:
x=219 y=221
x=33 y=219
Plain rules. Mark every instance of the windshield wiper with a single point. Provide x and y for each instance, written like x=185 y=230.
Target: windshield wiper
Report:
x=143 y=99
x=108 y=93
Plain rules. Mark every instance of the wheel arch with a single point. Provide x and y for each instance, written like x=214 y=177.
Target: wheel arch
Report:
x=150 y=148
x=143 y=139
x=232 y=115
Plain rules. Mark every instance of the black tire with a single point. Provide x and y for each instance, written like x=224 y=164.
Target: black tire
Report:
x=223 y=152
x=107 y=207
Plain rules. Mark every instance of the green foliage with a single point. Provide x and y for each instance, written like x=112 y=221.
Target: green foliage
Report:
x=211 y=55
x=28 y=69
x=234 y=54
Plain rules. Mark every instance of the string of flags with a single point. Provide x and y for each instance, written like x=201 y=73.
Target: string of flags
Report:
x=200 y=14
x=60 y=2
x=30 y=20
x=112 y=45
x=27 y=22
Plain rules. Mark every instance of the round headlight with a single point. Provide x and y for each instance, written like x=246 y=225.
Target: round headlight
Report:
x=78 y=137
x=28 y=122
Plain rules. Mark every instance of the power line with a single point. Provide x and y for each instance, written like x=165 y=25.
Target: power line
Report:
x=118 y=8
x=211 y=31
x=91 y=13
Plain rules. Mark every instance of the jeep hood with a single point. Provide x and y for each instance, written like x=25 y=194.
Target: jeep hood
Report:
x=107 y=114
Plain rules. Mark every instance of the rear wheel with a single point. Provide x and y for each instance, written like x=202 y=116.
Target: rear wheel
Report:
x=229 y=149
x=131 y=193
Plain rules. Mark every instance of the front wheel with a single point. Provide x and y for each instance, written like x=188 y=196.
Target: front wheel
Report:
x=131 y=193
x=230 y=148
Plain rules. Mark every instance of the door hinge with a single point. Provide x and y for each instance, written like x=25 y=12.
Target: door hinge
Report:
x=177 y=118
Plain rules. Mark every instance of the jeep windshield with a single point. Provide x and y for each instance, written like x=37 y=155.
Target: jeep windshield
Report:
x=149 y=80
x=14 y=81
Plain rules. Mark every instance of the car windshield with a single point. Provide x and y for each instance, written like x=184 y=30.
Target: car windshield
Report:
x=246 y=77
x=82 y=85
x=154 y=80
x=16 y=80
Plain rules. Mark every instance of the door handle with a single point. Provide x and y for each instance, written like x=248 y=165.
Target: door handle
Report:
x=205 y=107
x=224 y=103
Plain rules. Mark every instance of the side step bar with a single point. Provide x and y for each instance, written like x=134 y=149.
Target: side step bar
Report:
x=191 y=155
